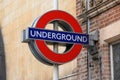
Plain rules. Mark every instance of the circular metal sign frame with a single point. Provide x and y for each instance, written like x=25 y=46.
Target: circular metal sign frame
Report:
x=39 y=47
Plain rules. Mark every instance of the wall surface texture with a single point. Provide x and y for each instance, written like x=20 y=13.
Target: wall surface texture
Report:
x=104 y=16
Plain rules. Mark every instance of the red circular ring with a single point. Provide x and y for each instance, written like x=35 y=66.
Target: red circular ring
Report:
x=45 y=51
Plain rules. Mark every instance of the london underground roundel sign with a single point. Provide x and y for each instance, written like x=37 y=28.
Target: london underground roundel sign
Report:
x=37 y=35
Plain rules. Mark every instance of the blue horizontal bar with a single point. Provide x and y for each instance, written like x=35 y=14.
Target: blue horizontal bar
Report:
x=57 y=36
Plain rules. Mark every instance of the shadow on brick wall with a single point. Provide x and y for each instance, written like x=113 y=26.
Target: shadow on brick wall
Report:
x=2 y=58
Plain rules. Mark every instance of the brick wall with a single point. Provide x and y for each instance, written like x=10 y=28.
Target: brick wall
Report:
x=102 y=20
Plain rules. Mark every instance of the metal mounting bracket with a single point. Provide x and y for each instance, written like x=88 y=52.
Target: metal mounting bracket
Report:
x=93 y=47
